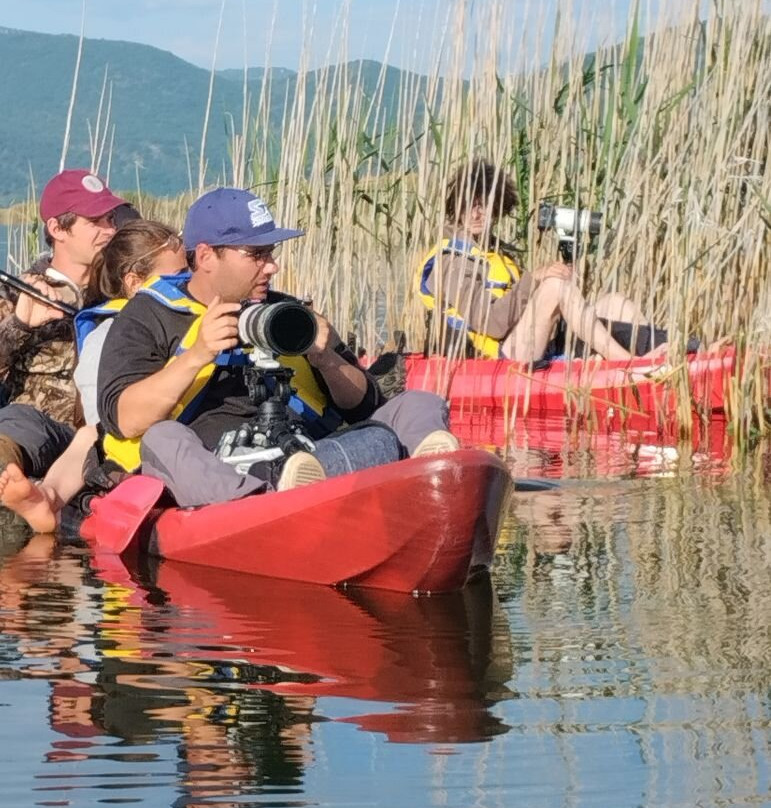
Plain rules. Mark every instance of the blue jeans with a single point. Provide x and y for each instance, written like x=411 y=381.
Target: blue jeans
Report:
x=392 y=433
x=358 y=448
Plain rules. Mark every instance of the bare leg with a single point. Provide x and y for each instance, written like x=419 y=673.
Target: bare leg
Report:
x=530 y=336
x=30 y=501
x=619 y=309
x=554 y=297
x=65 y=478
x=40 y=504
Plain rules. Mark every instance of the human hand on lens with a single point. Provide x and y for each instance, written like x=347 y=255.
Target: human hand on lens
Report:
x=218 y=331
x=325 y=343
x=556 y=270
x=32 y=312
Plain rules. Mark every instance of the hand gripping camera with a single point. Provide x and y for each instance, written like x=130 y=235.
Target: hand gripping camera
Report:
x=569 y=224
x=271 y=329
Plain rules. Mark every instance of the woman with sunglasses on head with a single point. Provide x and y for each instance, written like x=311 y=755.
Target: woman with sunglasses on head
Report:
x=139 y=250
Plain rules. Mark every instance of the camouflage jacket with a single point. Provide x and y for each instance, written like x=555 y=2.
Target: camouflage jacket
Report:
x=36 y=364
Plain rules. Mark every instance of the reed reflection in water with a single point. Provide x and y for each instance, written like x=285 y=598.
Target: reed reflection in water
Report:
x=641 y=611
x=620 y=656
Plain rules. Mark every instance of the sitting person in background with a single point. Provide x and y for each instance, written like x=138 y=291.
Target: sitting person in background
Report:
x=137 y=251
x=172 y=383
x=37 y=345
x=487 y=300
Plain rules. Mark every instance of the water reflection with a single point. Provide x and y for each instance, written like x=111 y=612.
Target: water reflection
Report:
x=621 y=656
x=570 y=448
x=641 y=614
x=234 y=671
x=432 y=662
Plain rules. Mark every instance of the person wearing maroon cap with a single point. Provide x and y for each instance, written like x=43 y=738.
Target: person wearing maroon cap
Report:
x=37 y=349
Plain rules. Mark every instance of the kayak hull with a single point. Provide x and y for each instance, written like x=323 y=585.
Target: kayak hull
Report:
x=636 y=393
x=424 y=524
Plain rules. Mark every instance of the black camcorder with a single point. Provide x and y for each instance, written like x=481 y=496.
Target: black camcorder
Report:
x=284 y=328
x=569 y=224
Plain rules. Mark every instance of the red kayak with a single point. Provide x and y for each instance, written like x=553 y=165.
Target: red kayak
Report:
x=642 y=391
x=424 y=524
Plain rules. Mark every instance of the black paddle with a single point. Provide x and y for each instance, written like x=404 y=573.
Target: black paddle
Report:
x=22 y=286
x=534 y=484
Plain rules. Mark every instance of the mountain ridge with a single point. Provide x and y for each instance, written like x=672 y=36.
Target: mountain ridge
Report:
x=158 y=105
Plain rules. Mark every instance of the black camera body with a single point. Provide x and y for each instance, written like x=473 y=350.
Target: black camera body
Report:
x=569 y=224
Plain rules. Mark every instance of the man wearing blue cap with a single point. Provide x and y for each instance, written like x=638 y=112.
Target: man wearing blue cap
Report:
x=171 y=379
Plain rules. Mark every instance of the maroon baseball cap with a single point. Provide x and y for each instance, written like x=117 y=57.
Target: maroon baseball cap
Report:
x=77 y=191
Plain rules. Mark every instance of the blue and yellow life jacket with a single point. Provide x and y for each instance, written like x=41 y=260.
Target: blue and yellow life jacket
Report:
x=502 y=273
x=308 y=399
x=87 y=320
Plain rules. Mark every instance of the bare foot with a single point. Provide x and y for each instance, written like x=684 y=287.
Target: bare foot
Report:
x=22 y=496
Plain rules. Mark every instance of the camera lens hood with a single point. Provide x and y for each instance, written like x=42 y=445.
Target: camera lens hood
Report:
x=284 y=328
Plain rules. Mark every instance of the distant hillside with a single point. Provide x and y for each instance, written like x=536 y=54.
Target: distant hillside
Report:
x=158 y=100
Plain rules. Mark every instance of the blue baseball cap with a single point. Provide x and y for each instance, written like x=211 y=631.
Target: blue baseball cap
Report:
x=232 y=216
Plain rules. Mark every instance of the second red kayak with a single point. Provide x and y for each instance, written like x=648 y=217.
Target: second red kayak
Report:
x=641 y=388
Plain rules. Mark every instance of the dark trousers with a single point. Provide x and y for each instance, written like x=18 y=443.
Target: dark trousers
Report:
x=40 y=438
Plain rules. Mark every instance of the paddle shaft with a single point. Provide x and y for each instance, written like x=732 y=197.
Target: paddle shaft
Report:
x=26 y=289
x=529 y=484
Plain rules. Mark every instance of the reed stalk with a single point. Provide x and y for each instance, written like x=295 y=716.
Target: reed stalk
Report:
x=665 y=132
x=71 y=108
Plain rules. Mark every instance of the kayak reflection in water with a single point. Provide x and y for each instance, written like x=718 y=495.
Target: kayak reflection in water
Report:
x=239 y=677
x=444 y=661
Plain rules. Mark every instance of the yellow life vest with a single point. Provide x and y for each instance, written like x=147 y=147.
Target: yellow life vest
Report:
x=308 y=399
x=502 y=273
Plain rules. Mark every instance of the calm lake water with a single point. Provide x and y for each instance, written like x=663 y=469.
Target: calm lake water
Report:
x=620 y=655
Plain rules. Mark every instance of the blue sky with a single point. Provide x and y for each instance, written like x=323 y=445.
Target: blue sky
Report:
x=188 y=27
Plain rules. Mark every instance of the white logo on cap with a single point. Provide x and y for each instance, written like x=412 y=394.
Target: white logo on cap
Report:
x=259 y=212
x=92 y=184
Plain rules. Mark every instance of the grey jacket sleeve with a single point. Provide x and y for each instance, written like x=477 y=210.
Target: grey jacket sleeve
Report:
x=459 y=281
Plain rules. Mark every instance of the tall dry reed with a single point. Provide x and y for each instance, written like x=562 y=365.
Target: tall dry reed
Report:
x=666 y=134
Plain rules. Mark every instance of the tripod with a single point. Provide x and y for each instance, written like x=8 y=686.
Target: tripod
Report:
x=272 y=433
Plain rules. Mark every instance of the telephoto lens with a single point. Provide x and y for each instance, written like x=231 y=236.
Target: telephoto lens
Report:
x=284 y=328
x=577 y=221
x=569 y=220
